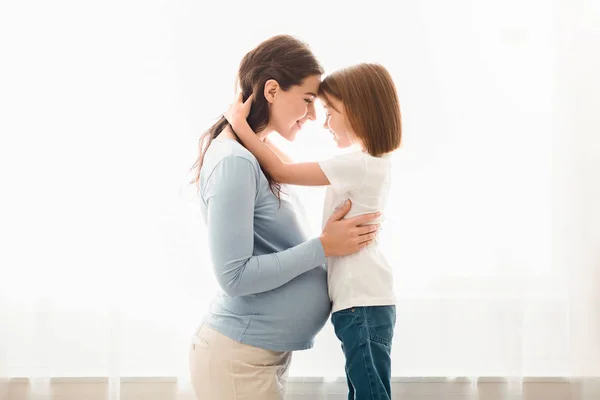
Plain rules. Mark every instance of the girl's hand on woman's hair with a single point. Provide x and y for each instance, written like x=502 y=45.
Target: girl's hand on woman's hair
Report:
x=239 y=110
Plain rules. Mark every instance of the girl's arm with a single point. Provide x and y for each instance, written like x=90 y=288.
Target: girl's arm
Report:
x=304 y=174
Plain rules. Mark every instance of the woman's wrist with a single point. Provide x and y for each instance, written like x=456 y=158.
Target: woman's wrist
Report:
x=324 y=238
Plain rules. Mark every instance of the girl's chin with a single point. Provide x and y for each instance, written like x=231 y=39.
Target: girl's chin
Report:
x=341 y=145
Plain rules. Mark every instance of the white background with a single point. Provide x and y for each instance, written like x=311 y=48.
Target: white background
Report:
x=492 y=228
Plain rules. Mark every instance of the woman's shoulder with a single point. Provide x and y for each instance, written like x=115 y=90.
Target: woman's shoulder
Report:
x=230 y=157
x=221 y=149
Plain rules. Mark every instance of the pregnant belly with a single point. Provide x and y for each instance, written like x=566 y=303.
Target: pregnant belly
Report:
x=301 y=307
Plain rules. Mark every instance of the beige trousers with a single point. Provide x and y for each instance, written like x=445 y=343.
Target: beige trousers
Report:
x=223 y=369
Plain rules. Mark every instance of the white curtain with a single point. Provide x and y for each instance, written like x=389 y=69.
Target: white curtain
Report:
x=493 y=227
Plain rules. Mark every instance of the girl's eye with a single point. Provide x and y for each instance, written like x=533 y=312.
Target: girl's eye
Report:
x=308 y=101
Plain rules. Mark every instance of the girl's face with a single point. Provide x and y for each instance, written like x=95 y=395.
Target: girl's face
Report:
x=337 y=123
x=290 y=109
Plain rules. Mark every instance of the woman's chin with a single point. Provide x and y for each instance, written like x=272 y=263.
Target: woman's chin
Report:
x=291 y=134
x=291 y=137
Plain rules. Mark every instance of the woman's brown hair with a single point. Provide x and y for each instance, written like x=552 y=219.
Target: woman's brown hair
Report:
x=282 y=58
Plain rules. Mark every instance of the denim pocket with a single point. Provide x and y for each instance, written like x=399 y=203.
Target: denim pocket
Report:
x=381 y=321
x=345 y=311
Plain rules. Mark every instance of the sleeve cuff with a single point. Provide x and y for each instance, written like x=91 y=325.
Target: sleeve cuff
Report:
x=319 y=251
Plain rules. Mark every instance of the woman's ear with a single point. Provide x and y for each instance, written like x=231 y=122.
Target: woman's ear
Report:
x=271 y=90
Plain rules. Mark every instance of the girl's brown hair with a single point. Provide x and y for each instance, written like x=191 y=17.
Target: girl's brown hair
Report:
x=371 y=105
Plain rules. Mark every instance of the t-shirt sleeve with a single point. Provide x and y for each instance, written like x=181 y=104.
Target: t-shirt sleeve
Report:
x=345 y=172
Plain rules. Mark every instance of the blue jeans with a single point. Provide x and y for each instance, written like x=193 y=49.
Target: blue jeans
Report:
x=366 y=334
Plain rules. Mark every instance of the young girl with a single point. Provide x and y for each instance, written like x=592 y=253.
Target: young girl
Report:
x=363 y=111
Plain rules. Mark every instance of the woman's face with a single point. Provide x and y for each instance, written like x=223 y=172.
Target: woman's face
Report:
x=290 y=109
x=337 y=123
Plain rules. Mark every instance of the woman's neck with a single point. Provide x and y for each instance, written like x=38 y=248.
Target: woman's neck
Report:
x=227 y=133
x=262 y=135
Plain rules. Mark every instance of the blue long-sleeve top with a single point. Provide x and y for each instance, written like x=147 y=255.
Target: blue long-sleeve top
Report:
x=273 y=280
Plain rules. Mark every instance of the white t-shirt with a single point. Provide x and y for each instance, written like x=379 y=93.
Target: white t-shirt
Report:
x=363 y=278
